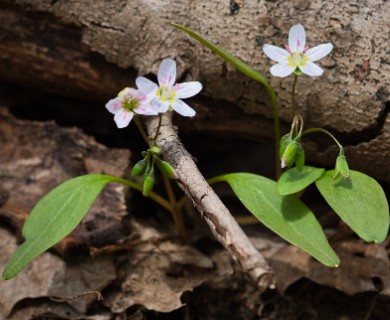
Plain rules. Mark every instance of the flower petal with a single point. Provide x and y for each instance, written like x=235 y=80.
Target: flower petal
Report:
x=311 y=69
x=122 y=118
x=159 y=105
x=319 y=51
x=167 y=73
x=275 y=53
x=183 y=108
x=145 y=85
x=114 y=105
x=124 y=92
x=187 y=89
x=297 y=38
x=146 y=109
x=281 y=70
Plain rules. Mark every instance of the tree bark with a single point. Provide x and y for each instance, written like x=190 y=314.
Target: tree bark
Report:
x=94 y=48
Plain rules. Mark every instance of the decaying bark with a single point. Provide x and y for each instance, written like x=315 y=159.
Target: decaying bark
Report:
x=62 y=46
x=35 y=157
x=217 y=216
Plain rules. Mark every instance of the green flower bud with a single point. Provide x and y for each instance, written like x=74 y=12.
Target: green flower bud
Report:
x=165 y=167
x=289 y=154
x=342 y=167
x=139 y=168
x=284 y=141
x=300 y=158
x=148 y=180
x=154 y=150
x=148 y=185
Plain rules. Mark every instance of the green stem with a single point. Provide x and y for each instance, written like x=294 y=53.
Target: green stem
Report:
x=176 y=211
x=154 y=196
x=158 y=128
x=182 y=201
x=327 y=133
x=141 y=129
x=293 y=103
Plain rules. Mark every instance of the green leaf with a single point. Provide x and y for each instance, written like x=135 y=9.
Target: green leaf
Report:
x=54 y=217
x=228 y=57
x=294 y=180
x=359 y=201
x=285 y=215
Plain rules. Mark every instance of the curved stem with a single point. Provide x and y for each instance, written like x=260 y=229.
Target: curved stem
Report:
x=154 y=196
x=293 y=103
x=327 y=133
x=181 y=202
x=141 y=129
x=158 y=128
x=176 y=211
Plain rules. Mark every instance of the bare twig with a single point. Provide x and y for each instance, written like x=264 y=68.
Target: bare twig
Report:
x=217 y=216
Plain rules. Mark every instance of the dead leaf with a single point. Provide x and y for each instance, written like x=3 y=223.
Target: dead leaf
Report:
x=48 y=275
x=37 y=156
x=364 y=266
x=156 y=275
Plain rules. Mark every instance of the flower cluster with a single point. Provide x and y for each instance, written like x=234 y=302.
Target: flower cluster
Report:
x=151 y=99
x=297 y=57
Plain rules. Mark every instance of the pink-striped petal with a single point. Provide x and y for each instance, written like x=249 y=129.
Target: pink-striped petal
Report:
x=146 y=109
x=160 y=106
x=311 y=69
x=167 y=73
x=146 y=86
x=275 y=53
x=281 y=70
x=319 y=51
x=297 y=38
x=114 y=105
x=183 y=108
x=122 y=118
x=187 y=89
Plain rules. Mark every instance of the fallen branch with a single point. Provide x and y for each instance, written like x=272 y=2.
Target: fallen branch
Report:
x=222 y=224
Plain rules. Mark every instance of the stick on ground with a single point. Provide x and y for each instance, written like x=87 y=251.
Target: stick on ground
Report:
x=222 y=224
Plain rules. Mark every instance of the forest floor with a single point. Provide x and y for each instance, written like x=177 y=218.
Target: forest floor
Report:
x=140 y=266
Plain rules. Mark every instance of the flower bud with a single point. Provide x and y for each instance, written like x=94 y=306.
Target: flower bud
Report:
x=342 y=167
x=165 y=167
x=148 y=180
x=289 y=154
x=154 y=150
x=139 y=168
x=284 y=141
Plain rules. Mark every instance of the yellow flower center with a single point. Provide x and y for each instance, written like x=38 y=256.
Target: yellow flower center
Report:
x=297 y=60
x=129 y=104
x=166 y=94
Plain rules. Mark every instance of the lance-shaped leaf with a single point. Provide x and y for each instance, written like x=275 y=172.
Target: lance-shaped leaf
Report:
x=55 y=216
x=359 y=201
x=285 y=215
x=294 y=180
x=228 y=57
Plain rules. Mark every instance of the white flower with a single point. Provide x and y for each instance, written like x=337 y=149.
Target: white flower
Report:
x=128 y=102
x=298 y=57
x=168 y=95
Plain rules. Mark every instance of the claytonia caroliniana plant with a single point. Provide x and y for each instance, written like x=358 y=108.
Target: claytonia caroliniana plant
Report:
x=273 y=203
x=297 y=57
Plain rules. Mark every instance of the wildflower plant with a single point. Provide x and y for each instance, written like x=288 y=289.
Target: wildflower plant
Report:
x=358 y=199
